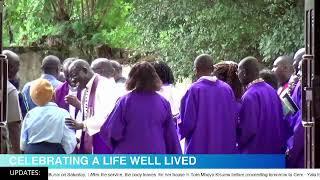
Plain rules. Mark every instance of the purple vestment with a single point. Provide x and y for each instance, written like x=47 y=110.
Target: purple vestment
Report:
x=141 y=123
x=208 y=118
x=296 y=95
x=262 y=128
x=60 y=93
x=295 y=158
x=92 y=144
x=293 y=119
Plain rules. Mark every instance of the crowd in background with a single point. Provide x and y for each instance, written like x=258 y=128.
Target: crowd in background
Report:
x=77 y=107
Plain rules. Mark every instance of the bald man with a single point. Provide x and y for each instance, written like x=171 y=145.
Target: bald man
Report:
x=283 y=69
x=13 y=66
x=295 y=158
x=294 y=82
x=208 y=113
x=294 y=119
x=50 y=71
x=297 y=59
x=262 y=129
x=118 y=72
x=98 y=98
x=103 y=67
x=67 y=96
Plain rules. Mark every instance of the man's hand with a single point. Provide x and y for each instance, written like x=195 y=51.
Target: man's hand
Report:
x=73 y=100
x=73 y=124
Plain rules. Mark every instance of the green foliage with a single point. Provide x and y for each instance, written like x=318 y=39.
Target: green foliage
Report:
x=226 y=29
x=177 y=30
x=64 y=23
x=285 y=35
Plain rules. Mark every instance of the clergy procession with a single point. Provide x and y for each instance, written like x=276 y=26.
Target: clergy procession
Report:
x=230 y=108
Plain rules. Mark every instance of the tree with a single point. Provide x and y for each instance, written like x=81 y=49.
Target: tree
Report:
x=226 y=29
x=176 y=31
x=64 y=23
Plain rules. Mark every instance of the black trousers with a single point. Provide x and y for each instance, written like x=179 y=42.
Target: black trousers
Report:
x=44 y=148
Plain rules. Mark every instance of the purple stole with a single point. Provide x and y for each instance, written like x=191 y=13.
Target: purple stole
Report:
x=61 y=92
x=92 y=144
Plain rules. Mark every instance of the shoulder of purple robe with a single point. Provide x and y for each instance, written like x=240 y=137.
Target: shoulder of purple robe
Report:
x=60 y=92
x=247 y=119
x=187 y=113
x=113 y=128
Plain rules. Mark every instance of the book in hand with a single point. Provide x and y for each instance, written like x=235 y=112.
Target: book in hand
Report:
x=290 y=105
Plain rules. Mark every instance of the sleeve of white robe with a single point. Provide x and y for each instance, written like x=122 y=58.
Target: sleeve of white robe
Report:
x=105 y=99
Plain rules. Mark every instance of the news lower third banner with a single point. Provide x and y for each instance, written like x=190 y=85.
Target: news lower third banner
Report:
x=139 y=161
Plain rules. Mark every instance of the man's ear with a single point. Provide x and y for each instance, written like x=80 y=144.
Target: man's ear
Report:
x=244 y=74
x=212 y=68
x=53 y=97
x=85 y=70
x=58 y=70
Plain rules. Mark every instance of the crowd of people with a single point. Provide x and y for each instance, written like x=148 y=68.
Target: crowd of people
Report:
x=231 y=108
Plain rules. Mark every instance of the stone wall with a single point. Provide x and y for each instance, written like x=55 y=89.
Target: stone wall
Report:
x=30 y=67
x=30 y=61
x=31 y=58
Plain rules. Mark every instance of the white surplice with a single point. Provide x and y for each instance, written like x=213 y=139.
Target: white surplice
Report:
x=106 y=96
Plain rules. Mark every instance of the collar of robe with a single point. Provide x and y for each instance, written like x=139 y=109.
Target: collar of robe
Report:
x=90 y=82
x=209 y=78
x=254 y=82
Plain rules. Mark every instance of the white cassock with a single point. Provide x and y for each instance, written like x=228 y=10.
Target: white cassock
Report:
x=170 y=93
x=173 y=96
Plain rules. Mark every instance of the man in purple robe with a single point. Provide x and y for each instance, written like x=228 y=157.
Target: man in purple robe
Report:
x=296 y=97
x=283 y=69
x=262 y=129
x=208 y=113
x=293 y=119
x=295 y=157
x=66 y=95
x=141 y=122
x=98 y=98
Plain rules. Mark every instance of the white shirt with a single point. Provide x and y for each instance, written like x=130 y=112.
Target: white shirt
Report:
x=72 y=109
x=105 y=99
x=170 y=93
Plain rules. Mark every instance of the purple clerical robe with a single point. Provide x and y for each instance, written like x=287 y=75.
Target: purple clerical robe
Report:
x=295 y=158
x=208 y=118
x=295 y=119
x=262 y=128
x=296 y=95
x=141 y=123
x=60 y=93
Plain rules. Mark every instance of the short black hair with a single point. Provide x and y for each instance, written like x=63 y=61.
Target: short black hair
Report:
x=164 y=72
x=13 y=63
x=204 y=63
x=116 y=65
x=51 y=64
x=269 y=77
x=143 y=77
x=250 y=65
